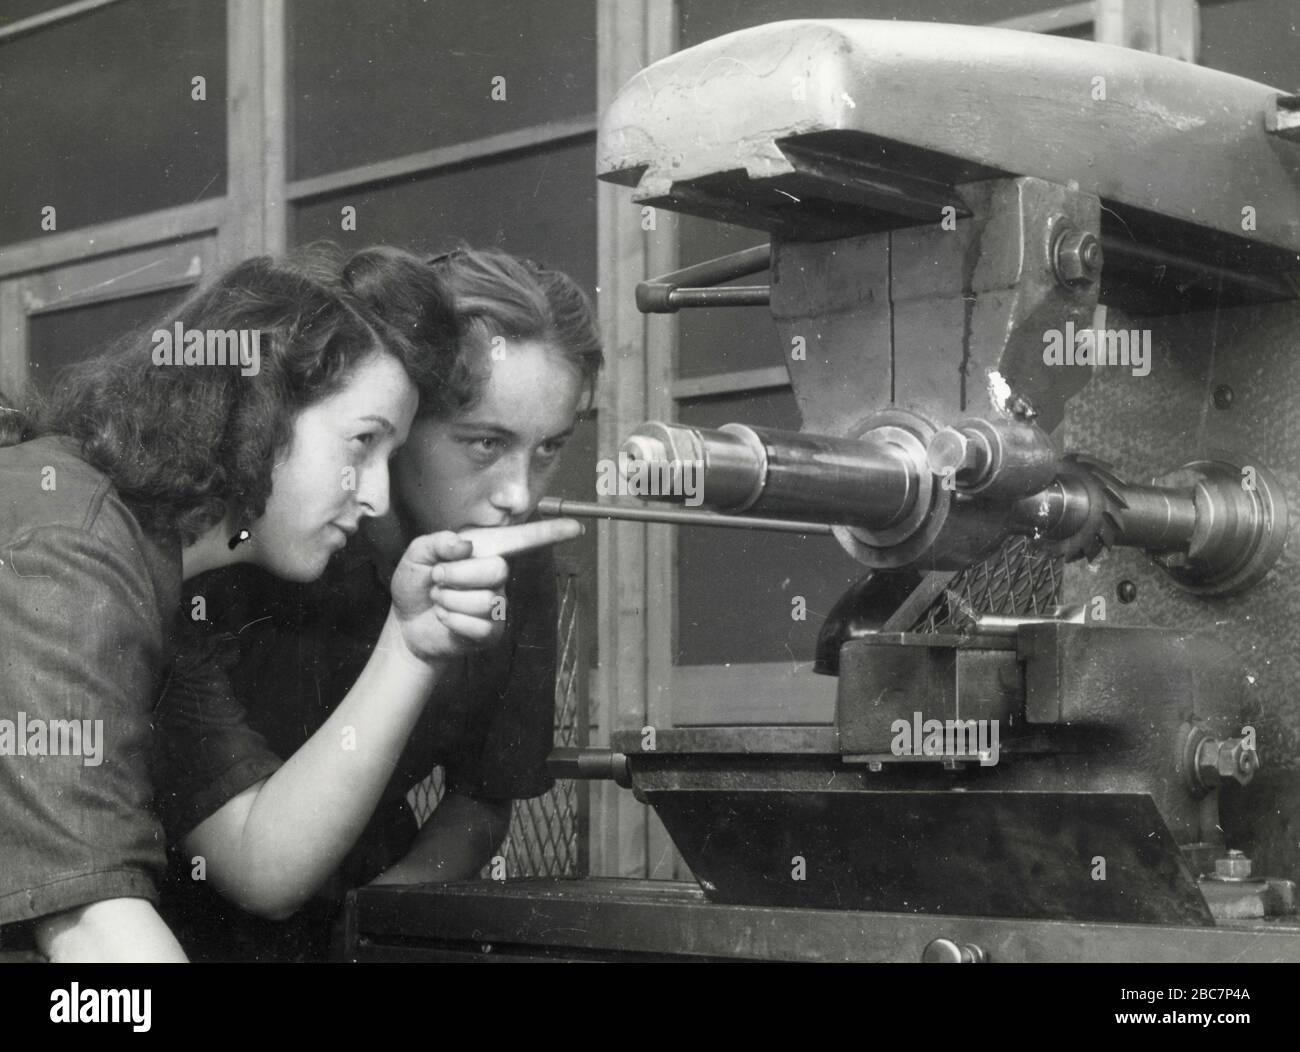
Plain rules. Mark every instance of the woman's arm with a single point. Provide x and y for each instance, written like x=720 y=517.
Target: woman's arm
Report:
x=270 y=847
x=117 y=931
x=457 y=841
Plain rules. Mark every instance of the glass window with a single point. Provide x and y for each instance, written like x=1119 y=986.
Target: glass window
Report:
x=541 y=205
x=390 y=77
x=62 y=337
x=98 y=121
x=723 y=339
x=1257 y=39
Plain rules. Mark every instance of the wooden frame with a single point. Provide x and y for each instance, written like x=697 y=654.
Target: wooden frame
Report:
x=256 y=131
x=630 y=35
x=119 y=235
x=134 y=273
x=64 y=13
x=1165 y=27
x=428 y=162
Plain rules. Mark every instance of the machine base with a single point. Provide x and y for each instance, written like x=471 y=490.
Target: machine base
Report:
x=604 y=919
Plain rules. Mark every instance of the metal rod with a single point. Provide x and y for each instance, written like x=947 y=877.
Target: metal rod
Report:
x=567 y=761
x=655 y=295
x=556 y=506
x=722 y=296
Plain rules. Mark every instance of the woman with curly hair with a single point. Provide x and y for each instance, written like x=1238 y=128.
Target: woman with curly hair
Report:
x=139 y=475
x=483 y=450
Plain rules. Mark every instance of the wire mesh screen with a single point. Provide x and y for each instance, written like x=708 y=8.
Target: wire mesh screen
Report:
x=1019 y=578
x=544 y=836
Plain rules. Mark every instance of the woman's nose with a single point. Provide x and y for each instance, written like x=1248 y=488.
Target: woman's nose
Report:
x=372 y=493
x=513 y=492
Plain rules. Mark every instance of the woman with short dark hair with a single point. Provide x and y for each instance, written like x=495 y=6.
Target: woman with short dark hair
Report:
x=143 y=470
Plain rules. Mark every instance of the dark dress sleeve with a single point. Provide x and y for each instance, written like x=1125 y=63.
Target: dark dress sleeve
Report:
x=80 y=655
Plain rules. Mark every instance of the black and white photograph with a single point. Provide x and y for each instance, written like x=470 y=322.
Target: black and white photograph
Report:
x=650 y=482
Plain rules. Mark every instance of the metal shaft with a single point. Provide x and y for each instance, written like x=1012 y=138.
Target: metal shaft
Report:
x=868 y=482
x=567 y=761
x=1218 y=528
x=557 y=506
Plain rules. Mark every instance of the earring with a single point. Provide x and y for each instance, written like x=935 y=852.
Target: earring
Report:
x=239 y=539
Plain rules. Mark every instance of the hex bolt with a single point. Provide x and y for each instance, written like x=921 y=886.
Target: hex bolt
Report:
x=1218 y=760
x=1236 y=761
x=1076 y=256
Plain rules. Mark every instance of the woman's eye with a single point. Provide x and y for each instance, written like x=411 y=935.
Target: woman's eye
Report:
x=485 y=446
x=365 y=440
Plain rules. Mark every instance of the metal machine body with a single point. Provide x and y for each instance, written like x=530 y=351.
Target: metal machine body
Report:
x=941 y=202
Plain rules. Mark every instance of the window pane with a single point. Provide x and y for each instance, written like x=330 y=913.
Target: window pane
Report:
x=63 y=337
x=735 y=587
x=389 y=77
x=1258 y=39
x=97 y=119
x=542 y=206
x=723 y=339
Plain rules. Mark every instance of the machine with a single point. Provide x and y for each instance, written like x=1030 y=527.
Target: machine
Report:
x=1038 y=297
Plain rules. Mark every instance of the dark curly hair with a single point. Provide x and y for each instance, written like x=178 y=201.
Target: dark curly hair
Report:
x=499 y=294
x=186 y=445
